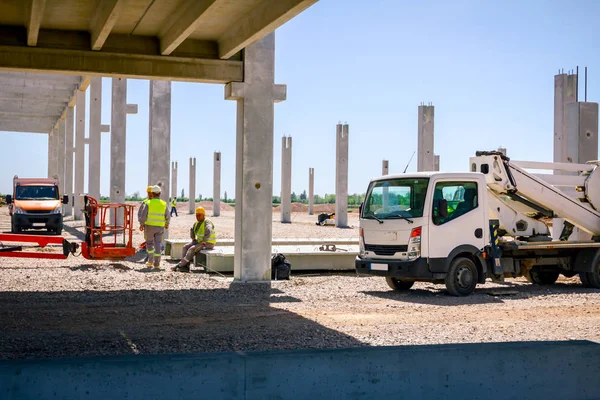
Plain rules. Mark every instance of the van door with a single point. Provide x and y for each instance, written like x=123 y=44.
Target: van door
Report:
x=464 y=223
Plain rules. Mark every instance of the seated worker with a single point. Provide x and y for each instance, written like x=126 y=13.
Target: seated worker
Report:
x=203 y=236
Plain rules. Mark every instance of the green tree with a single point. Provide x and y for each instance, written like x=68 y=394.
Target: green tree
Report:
x=303 y=196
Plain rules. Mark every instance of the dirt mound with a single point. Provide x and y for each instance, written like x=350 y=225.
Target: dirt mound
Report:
x=296 y=207
x=324 y=208
x=208 y=205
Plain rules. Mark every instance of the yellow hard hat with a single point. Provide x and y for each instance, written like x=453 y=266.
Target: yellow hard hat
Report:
x=200 y=210
x=149 y=189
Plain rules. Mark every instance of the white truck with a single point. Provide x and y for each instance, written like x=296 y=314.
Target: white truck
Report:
x=460 y=229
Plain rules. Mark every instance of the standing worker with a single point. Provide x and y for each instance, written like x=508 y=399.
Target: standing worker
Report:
x=154 y=219
x=203 y=237
x=141 y=210
x=174 y=206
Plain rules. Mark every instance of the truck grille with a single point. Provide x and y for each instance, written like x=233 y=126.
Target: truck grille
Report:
x=384 y=250
x=38 y=212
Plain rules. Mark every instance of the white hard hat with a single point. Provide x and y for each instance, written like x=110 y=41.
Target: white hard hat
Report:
x=155 y=189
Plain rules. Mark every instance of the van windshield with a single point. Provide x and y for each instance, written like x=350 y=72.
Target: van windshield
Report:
x=395 y=198
x=36 y=193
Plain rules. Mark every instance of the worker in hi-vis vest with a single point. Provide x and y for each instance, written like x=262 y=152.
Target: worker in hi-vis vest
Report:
x=141 y=210
x=203 y=237
x=154 y=219
x=174 y=206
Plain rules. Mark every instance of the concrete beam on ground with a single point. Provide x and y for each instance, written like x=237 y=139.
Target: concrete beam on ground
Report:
x=79 y=152
x=262 y=20
x=101 y=63
x=425 y=145
x=34 y=20
x=105 y=17
x=192 y=187
x=286 y=180
x=68 y=186
x=311 y=190
x=182 y=24
x=254 y=160
x=341 y=175
x=217 y=184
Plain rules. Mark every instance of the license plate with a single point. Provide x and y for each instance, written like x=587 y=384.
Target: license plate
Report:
x=379 y=267
x=39 y=224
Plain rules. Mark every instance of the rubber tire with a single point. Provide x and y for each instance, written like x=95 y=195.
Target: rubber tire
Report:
x=452 y=284
x=538 y=277
x=57 y=231
x=398 y=284
x=591 y=279
x=16 y=229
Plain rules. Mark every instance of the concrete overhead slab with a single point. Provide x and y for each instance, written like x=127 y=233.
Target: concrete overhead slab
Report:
x=523 y=370
x=185 y=40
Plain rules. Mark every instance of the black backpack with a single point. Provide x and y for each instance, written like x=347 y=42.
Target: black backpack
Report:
x=280 y=268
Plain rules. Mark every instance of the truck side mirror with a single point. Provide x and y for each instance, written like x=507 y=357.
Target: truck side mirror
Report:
x=9 y=199
x=65 y=199
x=443 y=208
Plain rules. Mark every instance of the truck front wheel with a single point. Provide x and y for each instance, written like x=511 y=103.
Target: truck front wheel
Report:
x=541 y=277
x=591 y=279
x=398 y=284
x=462 y=277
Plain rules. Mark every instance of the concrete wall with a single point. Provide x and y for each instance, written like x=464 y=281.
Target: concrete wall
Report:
x=525 y=370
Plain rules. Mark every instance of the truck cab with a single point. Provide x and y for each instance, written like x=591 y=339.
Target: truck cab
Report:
x=36 y=204
x=426 y=226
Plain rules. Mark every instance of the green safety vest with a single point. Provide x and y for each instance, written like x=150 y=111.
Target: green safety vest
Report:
x=156 y=212
x=199 y=231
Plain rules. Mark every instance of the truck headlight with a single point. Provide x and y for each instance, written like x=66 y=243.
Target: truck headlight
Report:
x=57 y=210
x=18 y=210
x=414 y=244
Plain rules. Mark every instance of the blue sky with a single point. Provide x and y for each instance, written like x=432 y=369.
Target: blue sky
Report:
x=488 y=67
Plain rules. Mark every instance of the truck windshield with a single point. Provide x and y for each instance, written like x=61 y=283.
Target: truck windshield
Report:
x=36 y=193
x=394 y=198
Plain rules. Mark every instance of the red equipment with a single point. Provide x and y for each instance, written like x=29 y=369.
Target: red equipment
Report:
x=104 y=241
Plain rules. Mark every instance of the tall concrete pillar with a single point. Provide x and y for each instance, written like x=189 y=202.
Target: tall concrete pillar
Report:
x=311 y=190
x=254 y=160
x=286 y=179
x=52 y=153
x=174 y=168
x=79 y=152
x=159 y=157
x=425 y=155
x=581 y=137
x=436 y=163
x=68 y=186
x=118 y=143
x=217 y=184
x=192 y=191
x=502 y=150
x=385 y=167
x=95 y=137
x=61 y=154
x=341 y=176
x=565 y=92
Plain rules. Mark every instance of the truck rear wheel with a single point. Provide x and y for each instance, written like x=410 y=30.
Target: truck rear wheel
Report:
x=462 y=277
x=591 y=279
x=541 y=277
x=398 y=284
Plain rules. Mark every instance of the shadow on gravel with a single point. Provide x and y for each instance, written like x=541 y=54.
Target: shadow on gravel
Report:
x=98 y=267
x=240 y=318
x=80 y=235
x=437 y=295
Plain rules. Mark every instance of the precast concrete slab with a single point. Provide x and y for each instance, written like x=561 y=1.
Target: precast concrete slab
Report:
x=513 y=370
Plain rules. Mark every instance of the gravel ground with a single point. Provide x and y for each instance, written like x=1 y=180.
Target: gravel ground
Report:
x=75 y=307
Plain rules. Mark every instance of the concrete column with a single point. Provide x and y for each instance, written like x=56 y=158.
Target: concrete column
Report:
x=118 y=143
x=581 y=132
x=436 y=163
x=52 y=153
x=286 y=179
x=311 y=190
x=565 y=92
x=341 y=176
x=68 y=186
x=502 y=150
x=425 y=155
x=159 y=157
x=174 y=168
x=95 y=138
x=79 y=152
x=192 y=191
x=385 y=167
x=61 y=154
x=254 y=160
x=217 y=184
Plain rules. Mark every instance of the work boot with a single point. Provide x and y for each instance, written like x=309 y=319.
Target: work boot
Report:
x=182 y=268
x=149 y=264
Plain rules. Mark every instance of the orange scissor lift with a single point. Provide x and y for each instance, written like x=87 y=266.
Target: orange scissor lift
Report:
x=103 y=241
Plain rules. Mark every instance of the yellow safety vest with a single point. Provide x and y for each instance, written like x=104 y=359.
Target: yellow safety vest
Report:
x=174 y=203
x=199 y=231
x=156 y=213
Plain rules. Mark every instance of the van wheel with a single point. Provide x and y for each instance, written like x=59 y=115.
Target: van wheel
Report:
x=398 y=284
x=462 y=277
x=591 y=279
x=58 y=231
x=541 y=277
x=16 y=228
